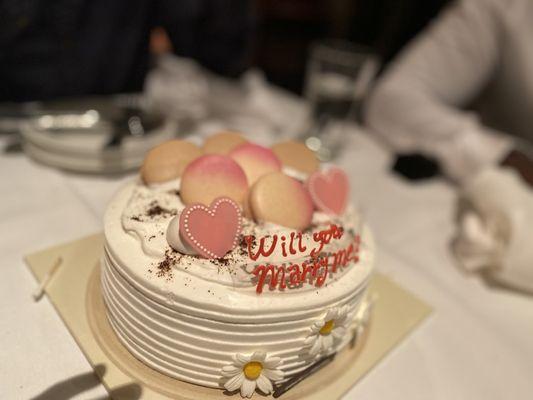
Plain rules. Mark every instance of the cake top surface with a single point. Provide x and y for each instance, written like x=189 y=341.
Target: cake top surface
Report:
x=238 y=226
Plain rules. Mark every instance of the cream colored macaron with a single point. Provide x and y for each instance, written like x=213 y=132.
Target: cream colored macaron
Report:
x=282 y=200
x=223 y=142
x=246 y=207
x=168 y=160
x=255 y=160
x=296 y=155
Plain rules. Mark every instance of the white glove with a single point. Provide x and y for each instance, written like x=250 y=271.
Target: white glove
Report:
x=495 y=228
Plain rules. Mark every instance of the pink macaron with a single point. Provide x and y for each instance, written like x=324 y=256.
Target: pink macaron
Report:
x=211 y=176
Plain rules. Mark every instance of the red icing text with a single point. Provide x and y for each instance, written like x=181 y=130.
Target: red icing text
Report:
x=314 y=271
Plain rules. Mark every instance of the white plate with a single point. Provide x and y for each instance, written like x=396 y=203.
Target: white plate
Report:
x=85 y=152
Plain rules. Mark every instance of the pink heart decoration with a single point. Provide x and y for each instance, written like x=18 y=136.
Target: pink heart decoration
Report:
x=329 y=190
x=211 y=231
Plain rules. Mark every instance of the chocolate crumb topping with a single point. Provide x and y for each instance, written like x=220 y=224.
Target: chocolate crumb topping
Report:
x=156 y=210
x=222 y=261
x=243 y=245
x=164 y=268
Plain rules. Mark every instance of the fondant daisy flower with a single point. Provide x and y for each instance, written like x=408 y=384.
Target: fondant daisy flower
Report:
x=249 y=372
x=327 y=330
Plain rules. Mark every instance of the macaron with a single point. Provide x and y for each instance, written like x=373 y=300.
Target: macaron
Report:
x=296 y=155
x=211 y=176
x=222 y=142
x=282 y=200
x=246 y=207
x=167 y=160
x=255 y=160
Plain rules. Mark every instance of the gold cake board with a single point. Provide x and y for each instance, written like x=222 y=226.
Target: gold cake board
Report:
x=74 y=290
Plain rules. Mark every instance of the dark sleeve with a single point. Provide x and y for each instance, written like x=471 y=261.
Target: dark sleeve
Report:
x=216 y=33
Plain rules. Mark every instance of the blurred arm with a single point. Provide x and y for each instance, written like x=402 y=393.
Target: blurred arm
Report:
x=416 y=105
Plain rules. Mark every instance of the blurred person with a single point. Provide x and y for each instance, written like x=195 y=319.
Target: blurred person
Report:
x=462 y=91
x=51 y=49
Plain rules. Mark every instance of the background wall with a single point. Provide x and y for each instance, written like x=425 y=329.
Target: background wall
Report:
x=286 y=28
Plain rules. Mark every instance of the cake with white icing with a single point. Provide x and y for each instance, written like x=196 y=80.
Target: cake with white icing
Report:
x=235 y=283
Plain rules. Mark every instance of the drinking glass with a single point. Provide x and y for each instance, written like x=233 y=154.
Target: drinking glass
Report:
x=339 y=75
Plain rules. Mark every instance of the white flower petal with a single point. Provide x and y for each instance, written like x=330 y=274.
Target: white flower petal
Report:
x=273 y=374
x=272 y=362
x=327 y=342
x=346 y=322
x=264 y=384
x=241 y=359
x=316 y=347
x=235 y=382
x=331 y=314
x=310 y=339
x=317 y=326
x=338 y=333
x=230 y=370
x=247 y=388
x=341 y=320
x=258 y=356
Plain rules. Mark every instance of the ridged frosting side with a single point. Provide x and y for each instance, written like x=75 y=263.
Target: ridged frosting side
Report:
x=195 y=349
x=188 y=324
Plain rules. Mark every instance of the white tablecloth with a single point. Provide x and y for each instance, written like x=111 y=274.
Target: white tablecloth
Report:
x=478 y=344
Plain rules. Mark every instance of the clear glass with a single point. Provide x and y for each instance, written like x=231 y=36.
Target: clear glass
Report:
x=339 y=75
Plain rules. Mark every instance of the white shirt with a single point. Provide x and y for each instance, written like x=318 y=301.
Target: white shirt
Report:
x=478 y=54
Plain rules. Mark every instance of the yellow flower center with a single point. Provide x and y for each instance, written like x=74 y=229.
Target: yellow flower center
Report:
x=252 y=370
x=328 y=327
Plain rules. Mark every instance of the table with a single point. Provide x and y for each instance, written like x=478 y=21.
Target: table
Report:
x=478 y=344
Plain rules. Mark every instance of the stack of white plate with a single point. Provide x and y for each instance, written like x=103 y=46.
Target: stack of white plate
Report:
x=87 y=150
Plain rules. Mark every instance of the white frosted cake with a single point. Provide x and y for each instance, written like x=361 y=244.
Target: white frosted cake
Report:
x=203 y=294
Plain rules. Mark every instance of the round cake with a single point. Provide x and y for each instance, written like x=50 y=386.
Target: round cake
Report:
x=238 y=270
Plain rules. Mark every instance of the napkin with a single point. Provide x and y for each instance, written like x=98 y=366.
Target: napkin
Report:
x=495 y=228
x=185 y=91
